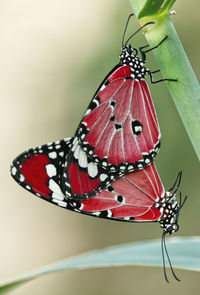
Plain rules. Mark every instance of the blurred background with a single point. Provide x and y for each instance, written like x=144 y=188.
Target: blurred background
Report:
x=53 y=56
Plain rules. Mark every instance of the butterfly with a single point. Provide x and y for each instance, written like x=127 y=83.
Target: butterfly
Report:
x=119 y=131
x=138 y=196
x=135 y=197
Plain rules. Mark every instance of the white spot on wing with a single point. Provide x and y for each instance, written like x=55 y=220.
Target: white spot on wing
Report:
x=14 y=170
x=54 y=187
x=51 y=170
x=147 y=161
x=75 y=143
x=87 y=112
x=21 y=178
x=97 y=213
x=76 y=153
x=126 y=218
x=140 y=166
x=122 y=168
x=65 y=139
x=67 y=184
x=58 y=197
x=103 y=177
x=102 y=87
x=60 y=203
x=138 y=128
x=82 y=161
x=109 y=213
x=52 y=155
x=92 y=169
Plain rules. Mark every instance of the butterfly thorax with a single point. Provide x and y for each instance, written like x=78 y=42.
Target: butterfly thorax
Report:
x=170 y=210
x=127 y=57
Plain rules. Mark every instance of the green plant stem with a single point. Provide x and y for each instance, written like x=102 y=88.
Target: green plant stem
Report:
x=173 y=63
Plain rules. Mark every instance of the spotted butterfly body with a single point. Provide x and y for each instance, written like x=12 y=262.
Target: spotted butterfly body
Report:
x=119 y=132
x=138 y=196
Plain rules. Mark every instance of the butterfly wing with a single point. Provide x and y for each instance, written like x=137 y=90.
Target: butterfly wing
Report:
x=119 y=132
x=122 y=130
x=84 y=178
x=131 y=198
x=39 y=170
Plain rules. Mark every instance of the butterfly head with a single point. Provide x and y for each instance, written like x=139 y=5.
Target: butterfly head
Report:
x=171 y=208
x=128 y=53
x=128 y=50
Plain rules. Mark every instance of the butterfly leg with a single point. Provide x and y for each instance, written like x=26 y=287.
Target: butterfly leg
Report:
x=160 y=80
x=143 y=52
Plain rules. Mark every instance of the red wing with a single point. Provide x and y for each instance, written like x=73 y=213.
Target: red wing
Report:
x=119 y=132
x=120 y=127
x=133 y=197
x=39 y=170
x=83 y=178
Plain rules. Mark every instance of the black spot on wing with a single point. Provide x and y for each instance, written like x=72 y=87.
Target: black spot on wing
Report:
x=118 y=126
x=110 y=189
x=112 y=118
x=113 y=103
x=119 y=199
x=136 y=127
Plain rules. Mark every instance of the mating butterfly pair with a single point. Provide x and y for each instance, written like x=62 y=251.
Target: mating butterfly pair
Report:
x=106 y=170
x=136 y=196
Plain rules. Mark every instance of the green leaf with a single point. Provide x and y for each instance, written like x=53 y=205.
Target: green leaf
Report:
x=167 y=5
x=173 y=63
x=153 y=7
x=184 y=253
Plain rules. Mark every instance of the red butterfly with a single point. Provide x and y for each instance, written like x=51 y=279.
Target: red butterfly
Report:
x=119 y=131
x=138 y=196
x=135 y=197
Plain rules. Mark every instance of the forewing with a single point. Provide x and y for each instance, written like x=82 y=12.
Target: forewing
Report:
x=82 y=177
x=120 y=127
x=39 y=170
x=119 y=132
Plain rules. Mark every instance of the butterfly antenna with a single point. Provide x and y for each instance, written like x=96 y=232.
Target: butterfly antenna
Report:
x=170 y=264
x=149 y=23
x=163 y=258
x=181 y=204
x=126 y=28
x=176 y=183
